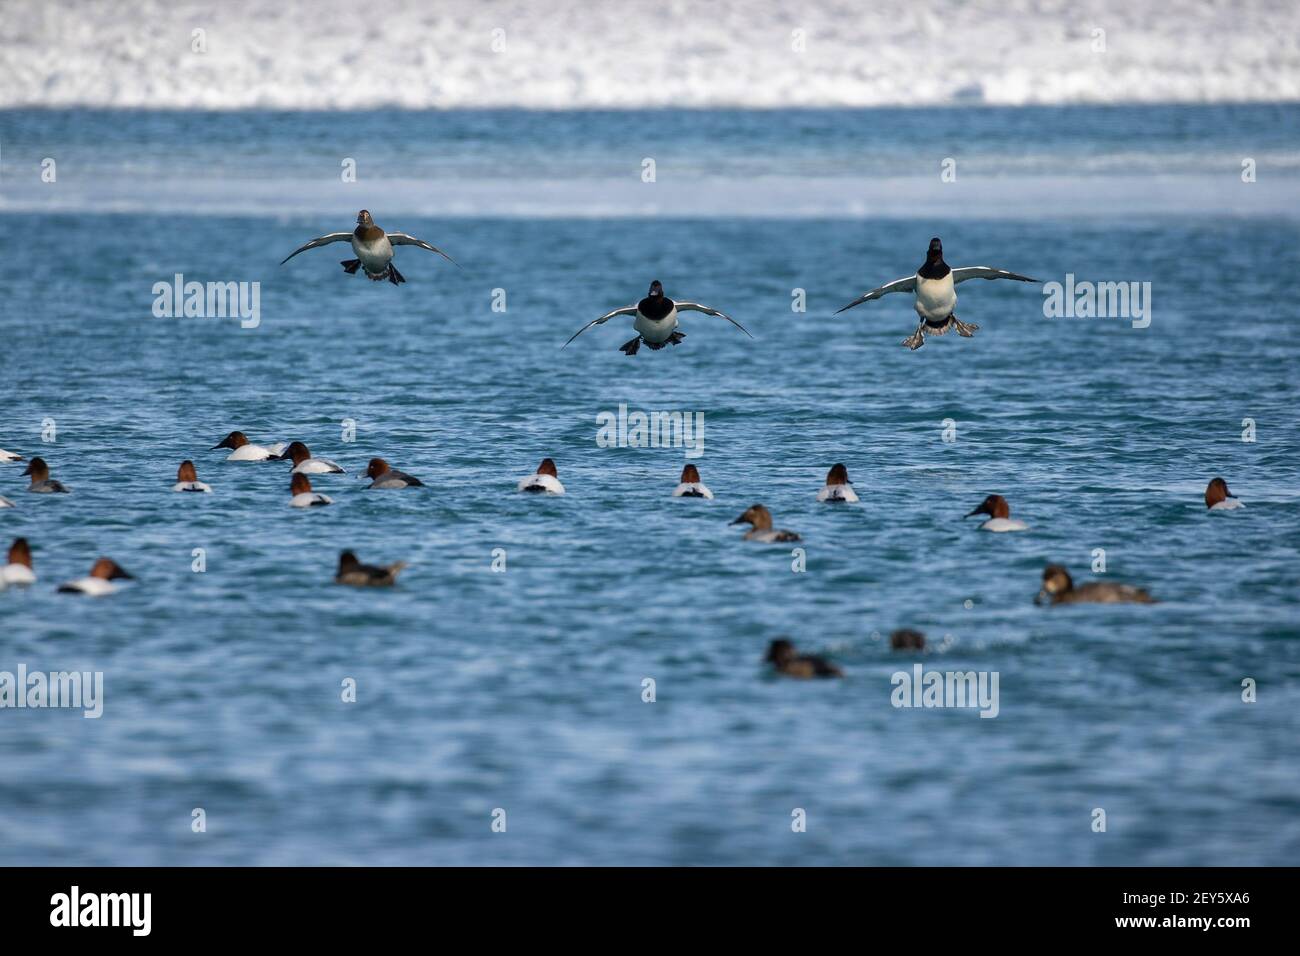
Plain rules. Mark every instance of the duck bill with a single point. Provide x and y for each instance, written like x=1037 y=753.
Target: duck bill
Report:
x=740 y=520
x=969 y=513
x=223 y=444
x=27 y=470
x=119 y=574
x=1042 y=597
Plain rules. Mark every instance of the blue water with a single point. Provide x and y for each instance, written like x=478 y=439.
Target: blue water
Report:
x=522 y=690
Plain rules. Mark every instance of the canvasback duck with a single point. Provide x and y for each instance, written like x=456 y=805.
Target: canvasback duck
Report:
x=8 y=456
x=656 y=320
x=353 y=572
x=762 y=530
x=906 y=639
x=837 y=487
x=6 y=503
x=42 y=483
x=1058 y=588
x=781 y=655
x=936 y=298
x=187 y=479
x=303 y=496
x=373 y=248
x=99 y=583
x=241 y=450
x=999 y=512
x=387 y=477
x=1219 y=498
x=305 y=464
x=19 y=569
x=544 y=480
x=691 y=486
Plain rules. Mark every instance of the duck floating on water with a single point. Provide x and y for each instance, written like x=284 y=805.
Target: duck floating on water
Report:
x=838 y=488
x=999 y=512
x=761 y=520
x=1218 y=498
x=783 y=658
x=42 y=483
x=690 y=485
x=100 y=581
x=352 y=572
x=1058 y=588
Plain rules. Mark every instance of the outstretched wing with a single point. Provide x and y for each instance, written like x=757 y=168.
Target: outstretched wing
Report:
x=696 y=307
x=906 y=284
x=322 y=241
x=402 y=239
x=986 y=272
x=626 y=310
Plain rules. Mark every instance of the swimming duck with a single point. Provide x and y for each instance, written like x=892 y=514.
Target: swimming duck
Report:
x=42 y=483
x=8 y=456
x=305 y=464
x=6 y=503
x=761 y=519
x=241 y=450
x=386 y=477
x=999 y=512
x=99 y=583
x=906 y=639
x=781 y=655
x=935 y=296
x=187 y=479
x=656 y=320
x=543 y=480
x=354 y=573
x=19 y=568
x=373 y=248
x=837 y=487
x=303 y=496
x=1058 y=588
x=1219 y=498
x=691 y=486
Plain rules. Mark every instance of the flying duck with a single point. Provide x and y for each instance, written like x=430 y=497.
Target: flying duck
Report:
x=187 y=479
x=373 y=248
x=781 y=655
x=1058 y=588
x=1219 y=498
x=935 y=295
x=691 y=486
x=42 y=483
x=999 y=512
x=656 y=320
x=761 y=519
x=358 y=575
x=387 y=477
x=99 y=582
x=305 y=464
x=837 y=487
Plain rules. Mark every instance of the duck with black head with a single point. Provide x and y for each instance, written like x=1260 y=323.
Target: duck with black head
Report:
x=656 y=320
x=935 y=297
x=785 y=660
x=838 y=488
x=690 y=485
x=42 y=483
x=1218 y=498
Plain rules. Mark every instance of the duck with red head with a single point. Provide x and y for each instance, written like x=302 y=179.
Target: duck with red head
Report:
x=42 y=483
x=243 y=450
x=785 y=660
x=187 y=479
x=761 y=521
x=935 y=296
x=999 y=512
x=1058 y=588
x=545 y=480
x=100 y=581
x=19 y=569
x=304 y=463
x=1219 y=498
x=373 y=248
x=656 y=320
x=690 y=485
x=303 y=497
x=385 y=476
x=838 y=488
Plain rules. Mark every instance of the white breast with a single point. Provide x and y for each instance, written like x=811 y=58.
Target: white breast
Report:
x=656 y=330
x=935 y=298
x=837 y=493
x=1004 y=524
x=376 y=255
x=316 y=466
x=249 y=453
x=544 y=483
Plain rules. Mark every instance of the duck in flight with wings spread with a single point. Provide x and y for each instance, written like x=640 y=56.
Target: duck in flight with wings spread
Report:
x=656 y=320
x=373 y=249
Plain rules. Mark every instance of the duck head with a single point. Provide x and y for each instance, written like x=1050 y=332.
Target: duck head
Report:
x=297 y=453
x=838 y=475
x=363 y=218
x=690 y=475
x=376 y=467
x=37 y=469
x=20 y=552
x=756 y=515
x=299 y=485
x=232 y=441
x=186 y=471
x=547 y=467
x=109 y=570
x=1056 y=582
x=348 y=562
x=1216 y=491
x=656 y=289
x=995 y=506
x=779 y=652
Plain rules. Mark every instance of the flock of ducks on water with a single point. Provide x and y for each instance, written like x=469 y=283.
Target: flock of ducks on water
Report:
x=655 y=320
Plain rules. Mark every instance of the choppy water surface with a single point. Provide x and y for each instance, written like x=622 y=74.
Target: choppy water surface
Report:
x=522 y=690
